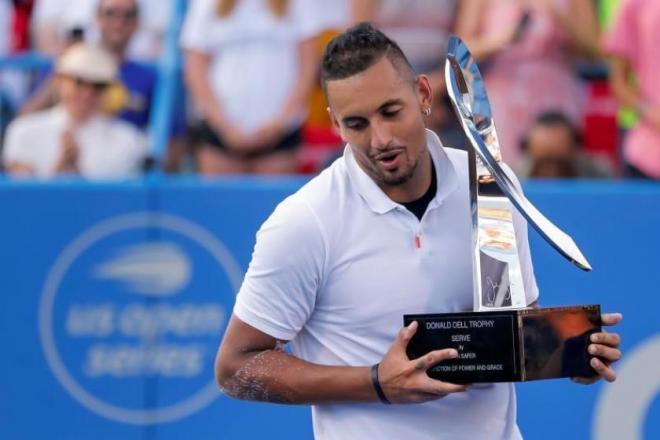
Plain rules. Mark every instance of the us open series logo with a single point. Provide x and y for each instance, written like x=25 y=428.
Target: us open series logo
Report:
x=131 y=314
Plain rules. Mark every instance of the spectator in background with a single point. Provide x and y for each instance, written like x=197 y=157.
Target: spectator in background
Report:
x=54 y=21
x=153 y=24
x=526 y=49
x=74 y=137
x=633 y=44
x=250 y=65
x=117 y=21
x=552 y=149
x=131 y=98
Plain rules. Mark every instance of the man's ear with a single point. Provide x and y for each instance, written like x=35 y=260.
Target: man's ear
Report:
x=424 y=91
x=335 y=123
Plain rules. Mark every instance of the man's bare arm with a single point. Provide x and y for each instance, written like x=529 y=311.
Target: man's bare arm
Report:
x=252 y=365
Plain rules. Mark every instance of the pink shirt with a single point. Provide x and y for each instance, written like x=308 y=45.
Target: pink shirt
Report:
x=635 y=36
x=532 y=75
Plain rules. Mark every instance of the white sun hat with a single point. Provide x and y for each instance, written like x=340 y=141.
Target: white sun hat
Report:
x=89 y=63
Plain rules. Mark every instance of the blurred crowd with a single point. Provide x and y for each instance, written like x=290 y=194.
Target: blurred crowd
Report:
x=571 y=83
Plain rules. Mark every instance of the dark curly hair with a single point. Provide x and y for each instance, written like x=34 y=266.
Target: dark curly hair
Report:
x=357 y=49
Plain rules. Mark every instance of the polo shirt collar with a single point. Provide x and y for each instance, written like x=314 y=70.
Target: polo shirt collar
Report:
x=379 y=202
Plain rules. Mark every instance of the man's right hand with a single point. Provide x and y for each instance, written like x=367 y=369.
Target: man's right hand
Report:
x=69 y=152
x=405 y=381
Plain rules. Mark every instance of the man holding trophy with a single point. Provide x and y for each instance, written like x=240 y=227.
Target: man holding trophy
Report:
x=400 y=226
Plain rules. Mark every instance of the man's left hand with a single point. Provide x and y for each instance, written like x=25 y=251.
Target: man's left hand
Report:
x=605 y=349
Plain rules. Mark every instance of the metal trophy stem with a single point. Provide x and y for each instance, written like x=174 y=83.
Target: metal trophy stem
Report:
x=498 y=280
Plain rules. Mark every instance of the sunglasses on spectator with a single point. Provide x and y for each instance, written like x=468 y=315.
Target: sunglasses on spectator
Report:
x=124 y=14
x=97 y=86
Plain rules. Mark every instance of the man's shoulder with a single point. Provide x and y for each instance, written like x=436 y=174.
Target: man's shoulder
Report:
x=457 y=156
x=27 y=123
x=119 y=132
x=328 y=187
x=28 y=135
x=459 y=163
x=322 y=196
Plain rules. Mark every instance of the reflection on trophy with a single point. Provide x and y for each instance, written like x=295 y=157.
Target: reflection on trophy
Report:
x=502 y=340
x=493 y=193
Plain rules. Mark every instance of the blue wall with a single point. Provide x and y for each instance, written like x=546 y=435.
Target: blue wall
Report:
x=113 y=298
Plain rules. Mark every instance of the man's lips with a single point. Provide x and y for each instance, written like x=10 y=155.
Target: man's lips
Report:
x=389 y=159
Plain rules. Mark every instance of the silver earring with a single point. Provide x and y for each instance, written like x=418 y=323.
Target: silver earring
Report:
x=427 y=111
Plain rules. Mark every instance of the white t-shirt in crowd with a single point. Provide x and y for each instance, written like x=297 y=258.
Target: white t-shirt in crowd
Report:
x=109 y=148
x=336 y=267
x=254 y=55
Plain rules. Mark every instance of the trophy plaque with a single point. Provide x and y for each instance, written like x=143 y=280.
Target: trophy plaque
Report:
x=502 y=339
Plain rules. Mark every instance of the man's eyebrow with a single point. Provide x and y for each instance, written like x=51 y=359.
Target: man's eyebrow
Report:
x=383 y=106
x=390 y=102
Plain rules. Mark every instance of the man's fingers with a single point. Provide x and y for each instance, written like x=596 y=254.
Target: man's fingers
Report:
x=431 y=358
x=603 y=370
x=441 y=388
x=611 y=318
x=609 y=339
x=447 y=387
x=405 y=335
x=603 y=351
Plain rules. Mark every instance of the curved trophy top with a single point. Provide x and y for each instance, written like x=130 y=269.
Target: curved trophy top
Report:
x=468 y=95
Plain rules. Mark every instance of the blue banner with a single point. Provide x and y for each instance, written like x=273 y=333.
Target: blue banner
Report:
x=115 y=298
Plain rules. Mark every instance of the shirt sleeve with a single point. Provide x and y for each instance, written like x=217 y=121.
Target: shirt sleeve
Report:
x=279 y=291
x=522 y=241
x=198 y=19
x=622 y=39
x=15 y=150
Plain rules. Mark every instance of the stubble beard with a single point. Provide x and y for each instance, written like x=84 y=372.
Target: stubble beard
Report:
x=399 y=176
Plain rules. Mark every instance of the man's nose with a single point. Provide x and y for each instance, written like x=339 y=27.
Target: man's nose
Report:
x=380 y=135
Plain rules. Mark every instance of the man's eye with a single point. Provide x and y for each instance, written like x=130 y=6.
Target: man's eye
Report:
x=357 y=125
x=391 y=113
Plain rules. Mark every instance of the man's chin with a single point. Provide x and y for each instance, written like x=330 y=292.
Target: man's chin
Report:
x=396 y=178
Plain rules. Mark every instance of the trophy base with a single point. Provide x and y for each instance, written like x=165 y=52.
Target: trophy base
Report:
x=508 y=345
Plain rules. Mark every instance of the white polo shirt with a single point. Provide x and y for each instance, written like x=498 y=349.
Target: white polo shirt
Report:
x=336 y=266
x=109 y=148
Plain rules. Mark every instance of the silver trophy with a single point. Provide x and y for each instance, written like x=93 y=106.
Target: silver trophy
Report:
x=493 y=194
x=502 y=339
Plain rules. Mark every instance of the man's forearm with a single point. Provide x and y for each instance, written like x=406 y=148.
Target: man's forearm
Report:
x=276 y=376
